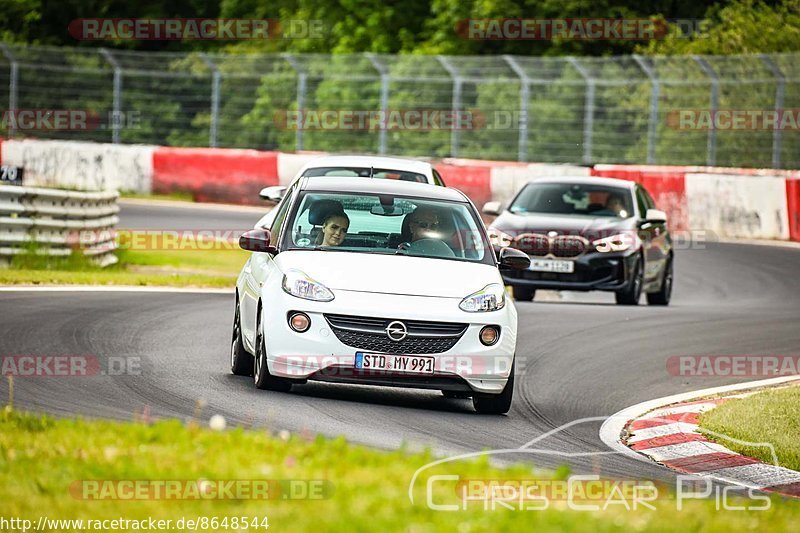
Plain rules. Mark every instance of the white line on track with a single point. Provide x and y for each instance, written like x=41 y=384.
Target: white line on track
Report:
x=112 y=288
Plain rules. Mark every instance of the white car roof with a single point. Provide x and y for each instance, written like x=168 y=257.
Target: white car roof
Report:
x=364 y=161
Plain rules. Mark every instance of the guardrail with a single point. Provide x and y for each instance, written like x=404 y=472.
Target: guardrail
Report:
x=56 y=220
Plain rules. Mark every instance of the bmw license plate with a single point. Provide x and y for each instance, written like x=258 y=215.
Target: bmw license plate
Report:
x=417 y=364
x=550 y=265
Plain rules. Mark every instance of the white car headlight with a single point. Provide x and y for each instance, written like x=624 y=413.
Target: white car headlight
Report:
x=498 y=238
x=490 y=298
x=615 y=243
x=297 y=283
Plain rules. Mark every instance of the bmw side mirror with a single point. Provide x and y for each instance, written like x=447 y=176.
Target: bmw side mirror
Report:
x=274 y=193
x=655 y=215
x=514 y=259
x=257 y=240
x=492 y=208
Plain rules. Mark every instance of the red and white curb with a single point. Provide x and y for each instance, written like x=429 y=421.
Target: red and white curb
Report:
x=666 y=431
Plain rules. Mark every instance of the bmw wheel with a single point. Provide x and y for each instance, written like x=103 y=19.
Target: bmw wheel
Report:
x=664 y=294
x=631 y=294
x=523 y=294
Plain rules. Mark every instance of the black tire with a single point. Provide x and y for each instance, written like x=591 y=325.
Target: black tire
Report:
x=495 y=404
x=523 y=294
x=633 y=292
x=456 y=394
x=261 y=376
x=664 y=294
x=241 y=360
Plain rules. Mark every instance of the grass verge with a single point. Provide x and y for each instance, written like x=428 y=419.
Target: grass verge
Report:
x=47 y=466
x=770 y=416
x=195 y=264
x=176 y=196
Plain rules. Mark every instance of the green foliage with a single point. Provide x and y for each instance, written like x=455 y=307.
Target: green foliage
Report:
x=741 y=27
x=172 y=93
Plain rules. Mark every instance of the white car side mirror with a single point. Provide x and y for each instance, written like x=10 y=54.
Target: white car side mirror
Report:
x=274 y=193
x=492 y=208
x=655 y=215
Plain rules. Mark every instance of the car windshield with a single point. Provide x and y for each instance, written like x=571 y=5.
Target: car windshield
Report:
x=366 y=172
x=388 y=224
x=574 y=199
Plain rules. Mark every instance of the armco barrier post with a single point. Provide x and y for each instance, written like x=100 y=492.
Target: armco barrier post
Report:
x=524 y=96
x=302 y=78
x=458 y=82
x=116 y=124
x=384 y=73
x=13 y=79
x=652 y=123
x=711 y=157
x=215 y=83
x=780 y=87
x=588 y=109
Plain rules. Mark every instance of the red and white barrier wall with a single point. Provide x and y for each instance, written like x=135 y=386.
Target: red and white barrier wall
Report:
x=730 y=202
x=214 y=174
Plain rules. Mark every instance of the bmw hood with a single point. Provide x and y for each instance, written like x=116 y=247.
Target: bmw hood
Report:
x=588 y=227
x=390 y=274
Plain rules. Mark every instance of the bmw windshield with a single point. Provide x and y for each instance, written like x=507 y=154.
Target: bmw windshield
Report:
x=387 y=224
x=573 y=199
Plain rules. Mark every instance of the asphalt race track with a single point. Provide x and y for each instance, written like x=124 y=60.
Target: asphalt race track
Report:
x=577 y=358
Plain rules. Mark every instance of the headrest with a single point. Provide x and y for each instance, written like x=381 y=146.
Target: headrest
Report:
x=322 y=209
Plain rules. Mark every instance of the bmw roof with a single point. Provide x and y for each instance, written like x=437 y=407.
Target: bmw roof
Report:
x=586 y=180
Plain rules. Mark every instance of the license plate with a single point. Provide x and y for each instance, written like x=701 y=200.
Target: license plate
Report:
x=549 y=265
x=398 y=363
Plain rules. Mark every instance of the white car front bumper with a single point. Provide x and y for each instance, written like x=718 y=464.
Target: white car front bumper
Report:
x=319 y=354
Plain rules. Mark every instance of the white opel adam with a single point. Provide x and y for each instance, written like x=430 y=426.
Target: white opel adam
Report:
x=377 y=282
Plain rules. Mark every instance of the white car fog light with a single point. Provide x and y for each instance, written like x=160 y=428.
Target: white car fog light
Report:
x=299 y=322
x=489 y=335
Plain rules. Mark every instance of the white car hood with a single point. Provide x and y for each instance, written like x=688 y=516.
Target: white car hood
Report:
x=391 y=274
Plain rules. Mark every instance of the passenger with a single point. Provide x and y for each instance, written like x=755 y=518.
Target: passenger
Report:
x=334 y=229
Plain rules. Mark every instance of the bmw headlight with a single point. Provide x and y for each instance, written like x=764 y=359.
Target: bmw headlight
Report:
x=615 y=243
x=490 y=298
x=498 y=238
x=297 y=283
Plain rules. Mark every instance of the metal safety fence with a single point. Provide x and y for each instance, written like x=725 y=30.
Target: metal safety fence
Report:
x=740 y=111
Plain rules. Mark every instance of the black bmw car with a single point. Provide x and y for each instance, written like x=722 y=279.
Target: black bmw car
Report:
x=586 y=234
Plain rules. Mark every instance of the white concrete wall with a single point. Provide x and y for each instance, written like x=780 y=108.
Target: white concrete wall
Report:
x=82 y=165
x=290 y=164
x=732 y=206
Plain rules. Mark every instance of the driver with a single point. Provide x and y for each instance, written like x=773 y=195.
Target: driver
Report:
x=424 y=224
x=616 y=204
